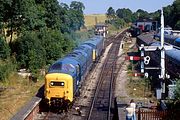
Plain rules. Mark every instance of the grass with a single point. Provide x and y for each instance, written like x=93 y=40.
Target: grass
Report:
x=90 y=20
x=17 y=93
x=137 y=87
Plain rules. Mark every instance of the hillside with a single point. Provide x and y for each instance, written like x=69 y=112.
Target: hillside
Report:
x=90 y=20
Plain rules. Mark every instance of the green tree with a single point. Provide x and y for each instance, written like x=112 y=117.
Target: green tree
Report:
x=142 y=14
x=76 y=15
x=51 y=14
x=118 y=23
x=52 y=41
x=111 y=13
x=125 y=14
x=30 y=53
x=8 y=15
x=177 y=25
x=32 y=16
x=176 y=14
x=78 y=6
x=64 y=15
x=168 y=15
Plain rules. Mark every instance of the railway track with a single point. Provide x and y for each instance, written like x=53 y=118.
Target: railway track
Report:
x=103 y=96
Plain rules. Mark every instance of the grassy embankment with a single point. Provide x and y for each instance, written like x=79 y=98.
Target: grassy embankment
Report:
x=137 y=87
x=15 y=93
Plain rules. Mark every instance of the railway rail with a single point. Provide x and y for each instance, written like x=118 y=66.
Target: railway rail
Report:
x=102 y=102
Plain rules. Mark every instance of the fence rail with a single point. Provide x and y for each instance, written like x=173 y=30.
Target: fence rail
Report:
x=158 y=115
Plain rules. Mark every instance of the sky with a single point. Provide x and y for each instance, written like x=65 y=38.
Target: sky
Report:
x=101 y=6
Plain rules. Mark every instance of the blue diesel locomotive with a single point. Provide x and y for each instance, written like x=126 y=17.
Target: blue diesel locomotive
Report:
x=65 y=76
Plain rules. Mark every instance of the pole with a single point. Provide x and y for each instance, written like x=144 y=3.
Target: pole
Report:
x=162 y=76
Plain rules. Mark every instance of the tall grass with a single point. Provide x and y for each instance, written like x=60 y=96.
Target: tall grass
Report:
x=6 y=68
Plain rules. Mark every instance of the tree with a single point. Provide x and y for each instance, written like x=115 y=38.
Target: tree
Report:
x=30 y=53
x=177 y=25
x=64 y=15
x=51 y=14
x=156 y=15
x=111 y=13
x=76 y=15
x=168 y=15
x=125 y=14
x=52 y=41
x=142 y=14
x=9 y=15
x=119 y=23
x=176 y=14
x=78 y=6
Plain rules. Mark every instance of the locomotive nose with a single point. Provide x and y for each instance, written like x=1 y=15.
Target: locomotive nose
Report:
x=59 y=86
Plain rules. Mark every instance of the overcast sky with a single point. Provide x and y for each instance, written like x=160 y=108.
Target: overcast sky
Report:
x=101 y=6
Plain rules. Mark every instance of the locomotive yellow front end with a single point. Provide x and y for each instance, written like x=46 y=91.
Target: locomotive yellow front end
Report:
x=58 y=89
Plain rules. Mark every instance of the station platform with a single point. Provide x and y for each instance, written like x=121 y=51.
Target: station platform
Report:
x=121 y=105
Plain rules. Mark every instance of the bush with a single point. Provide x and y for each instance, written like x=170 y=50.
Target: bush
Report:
x=30 y=52
x=6 y=68
x=34 y=50
x=4 y=49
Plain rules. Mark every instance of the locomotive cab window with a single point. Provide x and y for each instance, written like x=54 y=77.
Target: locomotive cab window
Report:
x=53 y=83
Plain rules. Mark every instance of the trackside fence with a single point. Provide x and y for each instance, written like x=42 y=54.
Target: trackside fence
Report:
x=158 y=115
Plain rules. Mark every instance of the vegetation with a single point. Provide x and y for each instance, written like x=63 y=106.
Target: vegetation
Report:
x=33 y=34
x=91 y=20
x=125 y=15
x=177 y=90
x=42 y=36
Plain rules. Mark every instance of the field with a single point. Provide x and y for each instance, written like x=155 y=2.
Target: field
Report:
x=90 y=20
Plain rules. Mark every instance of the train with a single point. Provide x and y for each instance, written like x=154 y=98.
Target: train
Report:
x=171 y=39
x=65 y=76
x=172 y=57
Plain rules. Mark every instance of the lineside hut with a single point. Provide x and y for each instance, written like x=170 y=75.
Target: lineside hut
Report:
x=101 y=29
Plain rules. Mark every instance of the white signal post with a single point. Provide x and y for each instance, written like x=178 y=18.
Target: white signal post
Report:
x=162 y=76
x=162 y=48
x=145 y=59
